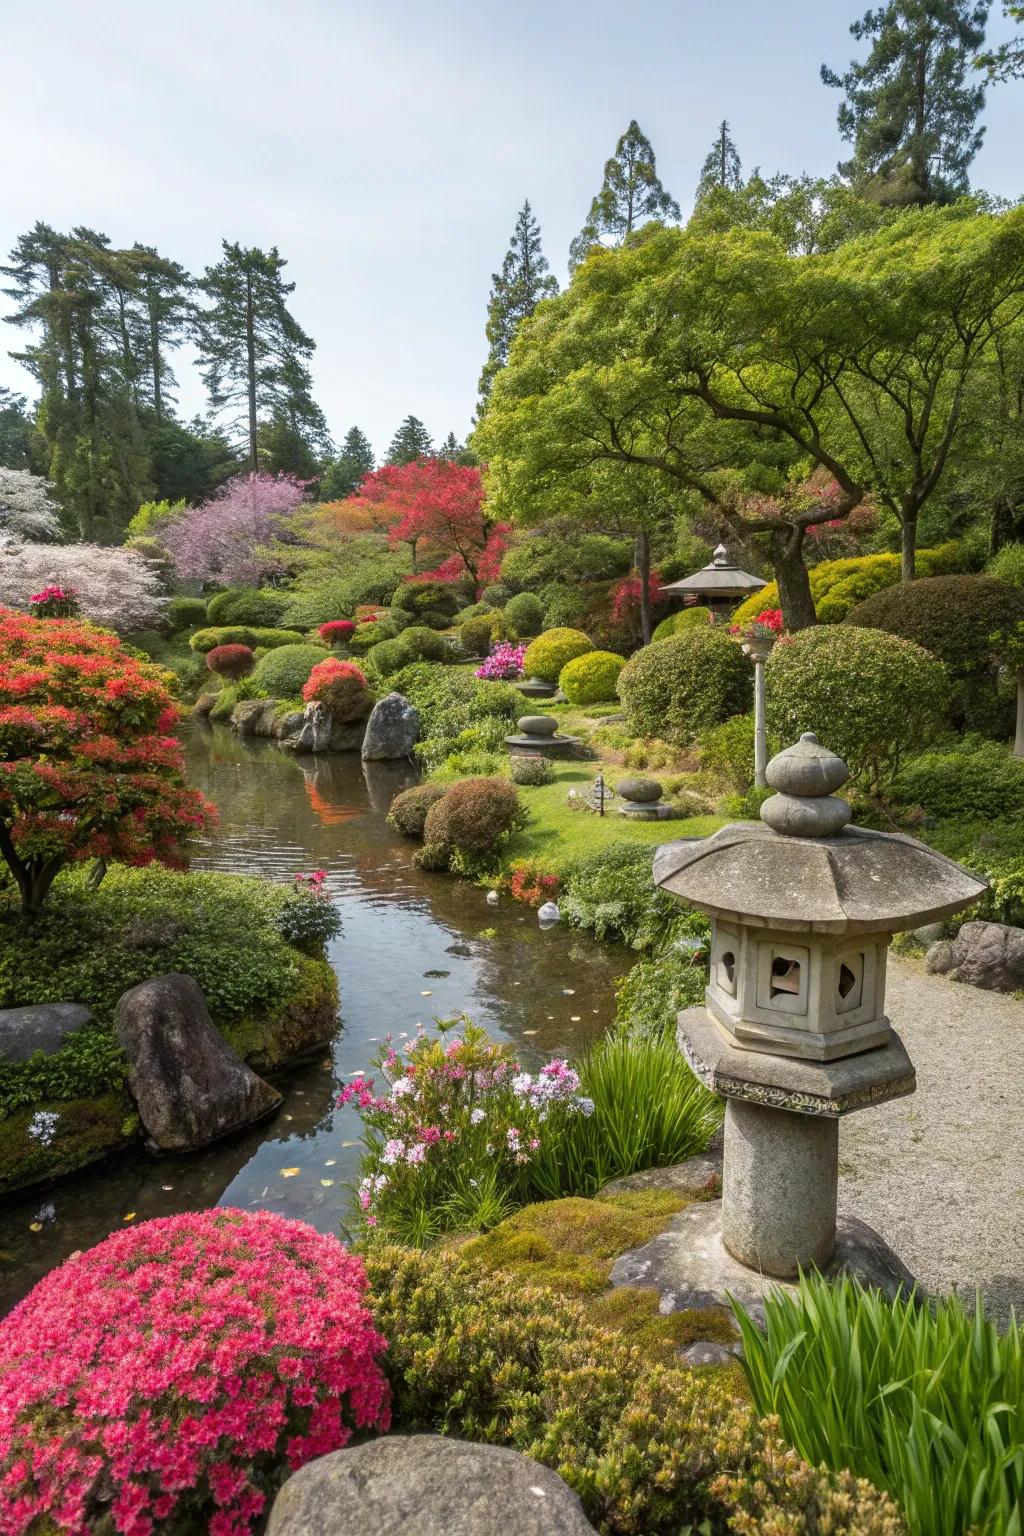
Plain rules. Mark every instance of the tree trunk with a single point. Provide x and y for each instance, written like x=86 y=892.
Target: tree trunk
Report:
x=154 y=347
x=908 y=561
x=643 y=566
x=794 y=583
x=250 y=350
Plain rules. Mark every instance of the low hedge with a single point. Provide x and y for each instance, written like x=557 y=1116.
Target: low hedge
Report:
x=549 y=653
x=242 y=634
x=185 y=613
x=591 y=678
x=284 y=672
x=679 y=688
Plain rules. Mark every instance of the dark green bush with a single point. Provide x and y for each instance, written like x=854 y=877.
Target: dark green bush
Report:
x=612 y=892
x=497 y=594
x=371 y=633
x=308 y=609
x=386 y=659
x=475 y=635
x=421 y=644
x=418 y=597
x=244 y=605
x=409 y=809
x=869 y=696
x=592 y=678
x=470 y=822
x=535 y=559
x=284 y=672
x=474 y=611
x=241 y=634
x=684 y=685
x=954 y=617
x=974 y=779
x=524 y=615
x=548 y=654
x=185 y=613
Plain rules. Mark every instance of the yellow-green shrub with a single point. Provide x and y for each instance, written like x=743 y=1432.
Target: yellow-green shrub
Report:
x=591 y=678
x=837 y=585
x=697 y=617
x=243 y=634
x=549 y=653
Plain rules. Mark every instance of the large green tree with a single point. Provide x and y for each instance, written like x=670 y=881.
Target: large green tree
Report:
x=411 y=441
x=345 y=473
x=722 y=168
x=516 y=291
x=631 y=194
x=909 y=109
x=1006 y=62
x=15 y=431
x=253 y=353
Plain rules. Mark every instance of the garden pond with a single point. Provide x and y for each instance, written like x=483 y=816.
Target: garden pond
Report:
x=413 y=947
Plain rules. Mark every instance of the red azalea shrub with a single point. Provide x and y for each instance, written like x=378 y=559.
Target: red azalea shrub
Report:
x=171 y=1377
x=232 y=661
x=54 y=602
x=88 y=768
x=342 y=686
x=336 y=631
x=529 y=884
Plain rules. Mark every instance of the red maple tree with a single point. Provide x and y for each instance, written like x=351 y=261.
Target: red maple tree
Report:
x=438 y=507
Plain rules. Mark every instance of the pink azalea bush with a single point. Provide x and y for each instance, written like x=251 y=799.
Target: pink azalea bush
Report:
x=54 y=602
x=172 y=1376
x=455 y=1123
x=503 y=664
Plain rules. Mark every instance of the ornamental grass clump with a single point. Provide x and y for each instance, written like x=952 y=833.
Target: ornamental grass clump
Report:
x=925 y=1401
x=342 y=687
x=170 y=1378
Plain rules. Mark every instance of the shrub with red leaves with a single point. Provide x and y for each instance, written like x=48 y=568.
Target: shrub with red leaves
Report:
x=88 y=768
x=170 y=1378
x=336 y=631
x=233 y=661
x=342 y=686
x=531 y=885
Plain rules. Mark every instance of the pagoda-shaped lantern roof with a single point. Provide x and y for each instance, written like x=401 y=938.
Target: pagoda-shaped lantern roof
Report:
x=804 y=868
x=720 y=578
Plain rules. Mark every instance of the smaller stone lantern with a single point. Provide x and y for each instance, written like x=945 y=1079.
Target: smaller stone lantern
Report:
x=794 y=1034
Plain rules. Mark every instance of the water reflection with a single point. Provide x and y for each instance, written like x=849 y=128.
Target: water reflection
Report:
x=413 y=947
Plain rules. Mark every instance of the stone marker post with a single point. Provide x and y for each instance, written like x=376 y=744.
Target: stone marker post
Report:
x=758 y=648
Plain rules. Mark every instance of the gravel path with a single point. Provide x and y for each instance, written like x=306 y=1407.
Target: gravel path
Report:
x=941 y=1174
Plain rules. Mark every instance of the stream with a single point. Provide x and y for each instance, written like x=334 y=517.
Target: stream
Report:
x=413 y=947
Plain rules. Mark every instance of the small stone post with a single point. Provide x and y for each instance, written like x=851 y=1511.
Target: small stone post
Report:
x=758 y=649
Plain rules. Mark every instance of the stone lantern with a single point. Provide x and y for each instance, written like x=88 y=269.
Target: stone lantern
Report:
x=794 y=1034
x=720 y=584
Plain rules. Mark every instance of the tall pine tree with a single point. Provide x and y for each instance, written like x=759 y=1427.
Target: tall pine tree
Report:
x=411 y=441
x=252 y=350
x=722 y=169
x=908 y=109
x=516 y=291
x=630 y=194
x=15 y=431
x=345 y=474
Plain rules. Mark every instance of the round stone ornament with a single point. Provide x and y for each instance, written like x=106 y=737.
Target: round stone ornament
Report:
x=640 y=791
x=807 y=769
x=538 y=725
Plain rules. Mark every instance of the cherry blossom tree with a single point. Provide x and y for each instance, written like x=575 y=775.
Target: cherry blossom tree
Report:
x=26 y=508
x=230 y=537
x=436 y=506
x=112 y=587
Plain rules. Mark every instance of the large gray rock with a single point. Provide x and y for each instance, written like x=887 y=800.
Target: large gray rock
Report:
x=392 y=729
x=189 y=1085
x=989 y=955
x=41 y=1027
x=426 y=1485
x=314 y=734
x=248 y=715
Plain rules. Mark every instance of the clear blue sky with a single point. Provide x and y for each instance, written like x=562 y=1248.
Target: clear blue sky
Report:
x=385 y=148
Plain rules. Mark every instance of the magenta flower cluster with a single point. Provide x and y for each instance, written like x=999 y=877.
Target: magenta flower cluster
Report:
x=503 y=664
x=172 y=1376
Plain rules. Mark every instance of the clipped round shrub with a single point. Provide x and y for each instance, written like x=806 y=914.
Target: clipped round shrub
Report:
x=421 y=644
x=954 y=617
x=474 y=611
x=342 y=686
x=837 y=585
x=242 y=634
x=172 y=1377
x=591 y=678
x=372 y=632
x=185 y=613
x=694 y=617
x=409 y=809
x=386 y=659
x=530 y=770
x=475 y=635
x=1007 y=565
x=233 y=661
x=283 y=673
x=549 y=653
x=871 y=697
x=472 y=818
x=681 y=687
x=524 y=614
x=246 y=605
x=336 y=631
x=418 y=597
x=496 y=595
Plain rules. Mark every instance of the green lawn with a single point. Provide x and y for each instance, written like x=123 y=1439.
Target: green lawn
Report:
x=558 y=833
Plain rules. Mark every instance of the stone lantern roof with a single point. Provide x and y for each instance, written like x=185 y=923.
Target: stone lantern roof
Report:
x=721 y=578
x=802 y=868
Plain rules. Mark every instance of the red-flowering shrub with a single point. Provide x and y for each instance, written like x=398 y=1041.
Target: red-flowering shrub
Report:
x=232 y=661
x=335 y=631
x=342 y=686
x=87 y=767
x=529 y=884
x=172 y=1376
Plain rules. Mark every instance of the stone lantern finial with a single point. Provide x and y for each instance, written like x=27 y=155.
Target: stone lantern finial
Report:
x=804 y=778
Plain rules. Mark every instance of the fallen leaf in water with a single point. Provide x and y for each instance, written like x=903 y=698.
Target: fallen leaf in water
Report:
x=289 y=1173
x=330 y=1162
x=129 y=1217
x=574 y=1018
x=289 y=1117
x=35 y=1226
x=569 y=991
x=326 y=1183
x=166 y=1188
x=529 y=1031
x=427 y=993
x=346 y=1144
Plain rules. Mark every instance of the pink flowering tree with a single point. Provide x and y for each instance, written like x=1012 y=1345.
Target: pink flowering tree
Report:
x=231 y=537
x=112 y=587
x=171 y=1378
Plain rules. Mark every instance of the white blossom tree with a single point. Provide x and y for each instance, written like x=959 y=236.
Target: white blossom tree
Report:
x=26 y=508
x=113 y=587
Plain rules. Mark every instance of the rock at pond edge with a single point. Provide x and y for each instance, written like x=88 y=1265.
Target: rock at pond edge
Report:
x=392 y=729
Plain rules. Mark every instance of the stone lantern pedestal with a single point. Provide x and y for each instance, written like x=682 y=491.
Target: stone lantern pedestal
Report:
x=794 y=1033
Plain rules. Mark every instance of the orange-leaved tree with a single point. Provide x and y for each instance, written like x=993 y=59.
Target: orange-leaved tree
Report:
x=438 y=506
x=88 y=767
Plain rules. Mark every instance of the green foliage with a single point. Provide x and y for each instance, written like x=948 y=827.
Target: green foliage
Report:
x=185 y=613
x=418 y=597
x=682 y=686
x=151 y=515
x=224 y=704
x=537 y=559
x=649 y=1449
x=421 y=644
x=497 y=594
x=1008 y=565
x=386 y=658
x=975 y=778
x=954 y=617
x=516 y=291
x=923 y=1400
x=475 y=635
x=591 y=678
x=243 y=634
x=465 y=828
x=368 y=635
x=548 y=654
x=283 y=672
x=631 y=193
x=871 y=697
x=727 y=752
x=458 y=714
x=244 y=605
x=409 y=809
x=651 y=995
x=838 y=585
x=524 y=615
x=530 y=771
x=612 y=893
x=696 y=617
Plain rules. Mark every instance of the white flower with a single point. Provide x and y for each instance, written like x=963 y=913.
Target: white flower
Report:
x=522 y=1084
x=585 y=1106
x=393 y=1150
x=416 y=1153
x=402 y=1087
x=43 y=1126
x=476 y=1117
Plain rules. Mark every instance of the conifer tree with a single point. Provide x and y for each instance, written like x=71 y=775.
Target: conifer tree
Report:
x=630 y=194
x=165 y=307
x=908 y=109
x=722 y=167
x=15 y=431
x=411 y=441
x=516 y=291
x=354 y=462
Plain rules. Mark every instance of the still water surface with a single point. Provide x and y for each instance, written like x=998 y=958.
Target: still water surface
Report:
x=411 y=948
